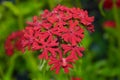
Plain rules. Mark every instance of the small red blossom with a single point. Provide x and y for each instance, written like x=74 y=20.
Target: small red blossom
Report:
x=14 y=42
x=83 y=15
x=90 y=28
x=74 y=50
x=109 y=23
x=30 y=36
x=74 y=34
x=51 y=19
x=108 y=4
x=64 y=63
x=48 y=46
x=45 y=14
x=76 y=78
x=35 y=22
x=118 y=3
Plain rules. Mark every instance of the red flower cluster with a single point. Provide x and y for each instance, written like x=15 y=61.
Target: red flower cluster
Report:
x=57 y=35
x=14 y=42
x=108 y=4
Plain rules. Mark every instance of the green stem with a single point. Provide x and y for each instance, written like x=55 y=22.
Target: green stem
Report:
x=51 y=5
x=11 y=67
x=17 y=1
x=19 y=16
x=35 y=0
x=20 y=22
x=69 y=76
x=32 y=65
x=116 y=17
x=101 y=7
x=1 y=72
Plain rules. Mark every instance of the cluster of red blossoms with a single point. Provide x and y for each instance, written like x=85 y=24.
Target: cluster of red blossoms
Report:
x=57 y=35
x=13 y=42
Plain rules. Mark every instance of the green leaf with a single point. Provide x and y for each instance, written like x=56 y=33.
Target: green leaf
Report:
x=100 y=64
x=111 y=72
x=12 y=7
x=29 y=7
x=112 y=31
x=10 y=69
x=101 y=7
x=86 y=40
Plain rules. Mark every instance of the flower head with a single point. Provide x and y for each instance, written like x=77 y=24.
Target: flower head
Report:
x=57 y=35
x=14 y=42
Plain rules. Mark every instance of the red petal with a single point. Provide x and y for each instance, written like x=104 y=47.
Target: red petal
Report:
x=66 y=70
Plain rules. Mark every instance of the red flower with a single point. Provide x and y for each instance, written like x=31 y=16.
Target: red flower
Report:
x=90 y=28
x=75 y=78
x=45 y=14
x=9 y=48
x=73 y=34
x=52 y=19
x=74 y=50
x=48 y=46
x=35 y=22
x=82 y=16
x=31 y=35
x=65 y=63
x=108 y=4
x=14 y=42
x=46 y=25
x=58 y=32
x=111 y=24
x=118 y=3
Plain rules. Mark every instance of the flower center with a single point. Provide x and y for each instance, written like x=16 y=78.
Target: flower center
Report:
x=64 y=63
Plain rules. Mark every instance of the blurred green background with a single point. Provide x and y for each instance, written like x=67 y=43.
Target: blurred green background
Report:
x=101 y=60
